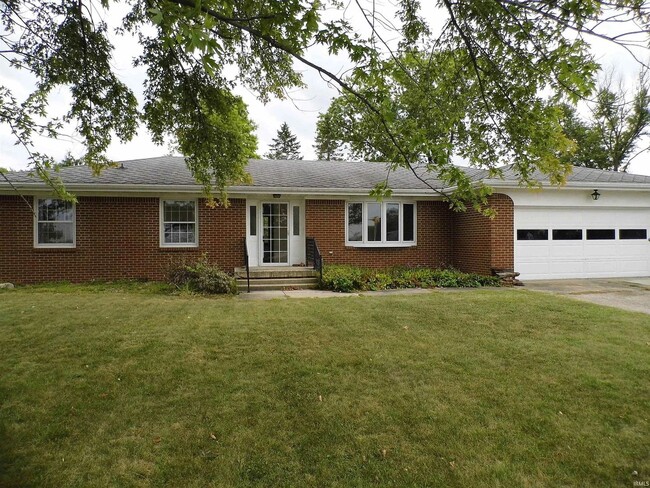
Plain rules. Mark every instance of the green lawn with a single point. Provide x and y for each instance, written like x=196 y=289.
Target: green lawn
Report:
x=104 y=386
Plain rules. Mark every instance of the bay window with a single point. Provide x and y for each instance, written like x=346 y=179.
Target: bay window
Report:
x=382 y=224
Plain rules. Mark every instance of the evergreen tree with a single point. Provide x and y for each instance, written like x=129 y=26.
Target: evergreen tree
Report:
x=285 y=145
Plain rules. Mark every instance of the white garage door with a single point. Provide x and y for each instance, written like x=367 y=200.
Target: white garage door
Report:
x=563 y=242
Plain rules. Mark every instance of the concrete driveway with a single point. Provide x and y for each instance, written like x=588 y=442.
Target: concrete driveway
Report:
x=626 y=293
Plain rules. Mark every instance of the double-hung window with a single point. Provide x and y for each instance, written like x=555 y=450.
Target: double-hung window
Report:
x=55 y=223
x=382 y=224
x=178 y=223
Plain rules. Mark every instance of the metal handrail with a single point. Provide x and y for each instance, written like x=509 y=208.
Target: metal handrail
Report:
x=313 y=254
x=248 y=271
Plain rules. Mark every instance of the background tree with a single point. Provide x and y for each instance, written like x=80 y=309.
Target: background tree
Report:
x=284 y=145
x=613 y=135
x=506 y=53
x=329 y=144
x=69 y=160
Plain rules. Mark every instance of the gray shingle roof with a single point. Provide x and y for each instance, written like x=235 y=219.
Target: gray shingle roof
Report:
x=169 y=170
x=583 y=175
x=309 y=175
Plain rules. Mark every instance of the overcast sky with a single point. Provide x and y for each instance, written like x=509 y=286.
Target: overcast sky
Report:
x=300 y=110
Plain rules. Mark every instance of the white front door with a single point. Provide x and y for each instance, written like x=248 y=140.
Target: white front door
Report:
x=275 y=234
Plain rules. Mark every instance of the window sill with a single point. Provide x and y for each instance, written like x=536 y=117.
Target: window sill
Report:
x=178 y=246
x=380 y=244
x=42 y=247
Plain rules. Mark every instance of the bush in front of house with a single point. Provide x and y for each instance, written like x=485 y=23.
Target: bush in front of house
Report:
x=202 y=277
x=345 y=278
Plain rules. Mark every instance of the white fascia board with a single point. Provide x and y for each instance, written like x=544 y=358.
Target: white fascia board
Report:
x=570 y=185
x=324 y=191
x=195 y=190
x=308 y=192
x=106 y=188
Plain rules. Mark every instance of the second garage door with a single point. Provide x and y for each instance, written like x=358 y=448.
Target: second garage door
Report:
x=561 y=242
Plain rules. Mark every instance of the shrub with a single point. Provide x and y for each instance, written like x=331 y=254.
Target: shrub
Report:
x=350 y=278
x=341 y=278
x=202 y=277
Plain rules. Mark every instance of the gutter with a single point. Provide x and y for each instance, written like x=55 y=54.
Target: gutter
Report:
x=578 y=185
x=197 y=190
x=252 y=190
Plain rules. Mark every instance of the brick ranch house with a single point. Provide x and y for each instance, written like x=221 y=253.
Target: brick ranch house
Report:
x=132 y=220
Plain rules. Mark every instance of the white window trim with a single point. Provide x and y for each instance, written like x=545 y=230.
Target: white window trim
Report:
x=71 y=245
x=161 y=225
x=383 y=243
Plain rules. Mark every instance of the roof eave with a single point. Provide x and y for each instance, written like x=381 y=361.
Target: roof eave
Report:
x=577 y=185
x=195 y=189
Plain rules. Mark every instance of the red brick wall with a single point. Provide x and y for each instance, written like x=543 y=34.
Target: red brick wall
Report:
x=117 y=237
x=325 y=220
x=481 y=244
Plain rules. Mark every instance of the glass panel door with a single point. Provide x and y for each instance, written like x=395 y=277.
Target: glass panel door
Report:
x=275 y=233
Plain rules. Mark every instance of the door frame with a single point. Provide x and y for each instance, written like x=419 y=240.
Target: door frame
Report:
x=296 y=252
x=260 y=245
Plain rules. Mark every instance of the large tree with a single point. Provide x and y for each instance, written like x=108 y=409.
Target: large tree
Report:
x=285 y=145
x=438 y=114
x=613 y=133
x=503 y=52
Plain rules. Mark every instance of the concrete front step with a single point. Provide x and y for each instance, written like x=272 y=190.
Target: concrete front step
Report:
x=281 y=281
x=265 y=287
x=260 y=284
x=279 y=272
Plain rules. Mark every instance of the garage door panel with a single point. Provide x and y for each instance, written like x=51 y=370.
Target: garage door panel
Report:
x=582 y=258
x=601 y=266
x=538 y=270
x=633 y=266
x=599 y=250
x=534 y=252
x=564 y=252
x=565 y=267
x=632 y=248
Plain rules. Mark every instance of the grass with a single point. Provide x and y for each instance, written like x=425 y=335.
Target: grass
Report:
x=128 y=386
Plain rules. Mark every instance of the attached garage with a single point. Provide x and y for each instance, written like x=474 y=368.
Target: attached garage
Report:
x=562 y=233
x=565 y=242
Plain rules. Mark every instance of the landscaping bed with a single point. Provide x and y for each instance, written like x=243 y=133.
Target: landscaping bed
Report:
x=345 y=278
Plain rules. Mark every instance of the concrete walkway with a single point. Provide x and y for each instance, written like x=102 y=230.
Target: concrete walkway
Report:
x=625 y=293
x=284 y=294
x=628 y=294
